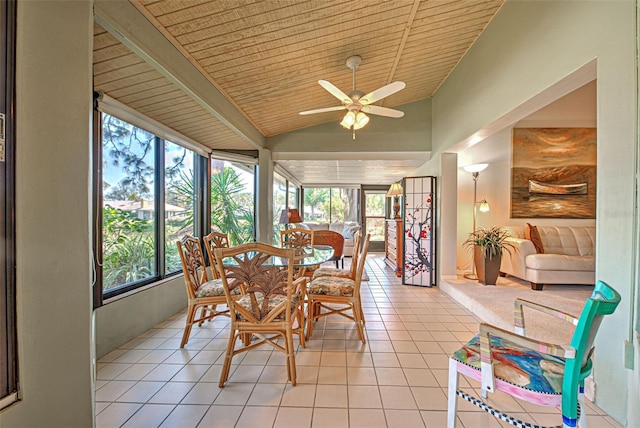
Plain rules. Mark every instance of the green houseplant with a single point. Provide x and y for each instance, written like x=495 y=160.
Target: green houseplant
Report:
x=487 y=245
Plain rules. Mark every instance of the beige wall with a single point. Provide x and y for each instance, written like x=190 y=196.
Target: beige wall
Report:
x=54 y=89
x=529 y=47
x=117 y=322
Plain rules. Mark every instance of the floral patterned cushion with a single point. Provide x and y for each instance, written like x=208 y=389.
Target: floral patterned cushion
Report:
x=274 y=300
x=331 y=286
x=331 y=272
x=517 y=365
x=214 y=288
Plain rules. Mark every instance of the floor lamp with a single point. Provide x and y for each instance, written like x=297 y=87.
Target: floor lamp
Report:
x=475 y=170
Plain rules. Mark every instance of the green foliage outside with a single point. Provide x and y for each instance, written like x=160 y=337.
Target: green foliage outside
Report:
x=128 y=241
x=231 y=207
x=342 y=206
x=128 y=247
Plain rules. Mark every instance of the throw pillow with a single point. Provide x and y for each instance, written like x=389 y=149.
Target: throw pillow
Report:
x=349 y=231
x=532 y=234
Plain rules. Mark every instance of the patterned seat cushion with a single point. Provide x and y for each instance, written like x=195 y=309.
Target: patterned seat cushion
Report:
x=275 y=300
x=517 y=365
x=214 y=288
x=331 y=272
x=331 y=286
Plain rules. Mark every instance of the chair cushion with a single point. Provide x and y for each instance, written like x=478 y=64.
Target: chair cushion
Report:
x=331 y=272
x=214 y=288
x=560 y=262
x=331 y=286
x=274 y=300
x=517 y=365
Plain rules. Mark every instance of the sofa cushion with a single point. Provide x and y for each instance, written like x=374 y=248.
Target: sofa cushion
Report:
x=531 y=233
x=564 y=262
x=317 y=226
x=569 y=240
x=336 y=227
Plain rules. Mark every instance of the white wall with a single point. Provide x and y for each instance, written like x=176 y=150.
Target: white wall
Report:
x=54 y=89
x=529 y=47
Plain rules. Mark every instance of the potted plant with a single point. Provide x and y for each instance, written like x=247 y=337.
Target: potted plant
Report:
x=487 y=245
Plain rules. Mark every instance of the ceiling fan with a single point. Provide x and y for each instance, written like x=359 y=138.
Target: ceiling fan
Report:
x=357 y=102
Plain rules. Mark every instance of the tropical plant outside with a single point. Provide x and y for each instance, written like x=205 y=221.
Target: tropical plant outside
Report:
x=331 y=205
x=231 y=206
x=129 y=215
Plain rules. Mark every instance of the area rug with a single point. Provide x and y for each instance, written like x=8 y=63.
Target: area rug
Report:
x=493 y=304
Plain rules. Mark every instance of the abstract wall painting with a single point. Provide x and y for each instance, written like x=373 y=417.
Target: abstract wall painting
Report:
x=553 y=173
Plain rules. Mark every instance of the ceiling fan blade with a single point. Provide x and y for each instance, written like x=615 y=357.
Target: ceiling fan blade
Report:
x=322 y=110
x=382 y=111
x=380 y=93
x=333 y=90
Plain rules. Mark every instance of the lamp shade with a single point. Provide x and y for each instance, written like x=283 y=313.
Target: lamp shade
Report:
x=395 y=189
x=484 y=206
x=348 y=120
x=478 y=167
x=361 y=120
x=290 y=216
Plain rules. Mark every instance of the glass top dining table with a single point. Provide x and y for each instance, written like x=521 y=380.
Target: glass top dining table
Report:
x=305 y=256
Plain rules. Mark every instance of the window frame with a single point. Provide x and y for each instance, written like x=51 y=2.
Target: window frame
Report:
x=201 y=166
x=9 y=374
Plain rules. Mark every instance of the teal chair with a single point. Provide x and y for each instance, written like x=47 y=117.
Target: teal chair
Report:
x=528 y=369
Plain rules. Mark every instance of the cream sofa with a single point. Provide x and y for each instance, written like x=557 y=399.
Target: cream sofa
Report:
x=568 y=258
x=347 y=230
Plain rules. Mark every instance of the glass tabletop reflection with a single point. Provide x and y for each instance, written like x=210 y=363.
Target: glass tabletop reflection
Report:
x=304 y=256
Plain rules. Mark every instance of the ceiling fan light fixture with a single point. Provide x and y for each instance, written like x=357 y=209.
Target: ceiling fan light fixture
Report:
x=349 y=120
x=361 y=120
x=357 y=102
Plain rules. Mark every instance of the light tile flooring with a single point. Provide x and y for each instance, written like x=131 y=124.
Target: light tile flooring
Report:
x=398 y=379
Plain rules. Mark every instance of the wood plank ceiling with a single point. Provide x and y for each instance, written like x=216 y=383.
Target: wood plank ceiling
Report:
x=267 y=56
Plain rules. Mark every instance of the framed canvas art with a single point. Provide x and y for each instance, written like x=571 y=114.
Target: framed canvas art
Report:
x=553 y=173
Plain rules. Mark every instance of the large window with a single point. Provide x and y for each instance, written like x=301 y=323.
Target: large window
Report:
x=233 y=200
x=286 y=195
x=149 y=200
x=279 y=204
x=331 y=204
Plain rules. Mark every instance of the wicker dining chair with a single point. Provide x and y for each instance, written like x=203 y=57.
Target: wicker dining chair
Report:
x=297 y=238
x=211 y=242
x=272 y=306
x=202 y=292
x=338 y=295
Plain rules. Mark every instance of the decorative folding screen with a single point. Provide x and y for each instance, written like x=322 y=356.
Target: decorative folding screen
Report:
x=419 y=231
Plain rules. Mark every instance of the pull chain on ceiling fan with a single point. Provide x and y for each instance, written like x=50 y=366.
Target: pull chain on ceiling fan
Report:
x=357 y=102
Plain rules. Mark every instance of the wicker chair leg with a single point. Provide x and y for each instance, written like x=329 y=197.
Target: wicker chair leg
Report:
x=191 y=313
x=357 y=315
x=226 y=367
x=291 y=357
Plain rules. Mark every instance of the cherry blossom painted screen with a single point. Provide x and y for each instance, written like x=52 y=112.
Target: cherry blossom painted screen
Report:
x=419 y=231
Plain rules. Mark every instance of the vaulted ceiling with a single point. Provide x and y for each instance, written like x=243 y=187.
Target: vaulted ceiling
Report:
x=265 y=58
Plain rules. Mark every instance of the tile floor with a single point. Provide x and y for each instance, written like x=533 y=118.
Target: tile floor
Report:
x=398 y=379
